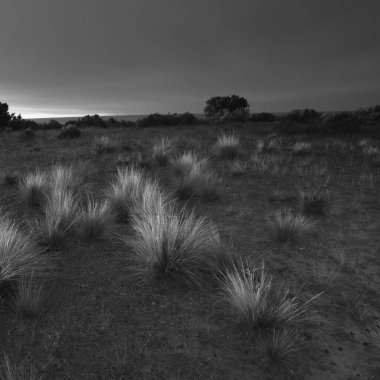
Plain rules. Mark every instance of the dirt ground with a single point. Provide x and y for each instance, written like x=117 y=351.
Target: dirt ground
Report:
x=98 y=323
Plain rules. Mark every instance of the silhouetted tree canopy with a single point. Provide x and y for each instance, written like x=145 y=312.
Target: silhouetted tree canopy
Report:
x=224 y=107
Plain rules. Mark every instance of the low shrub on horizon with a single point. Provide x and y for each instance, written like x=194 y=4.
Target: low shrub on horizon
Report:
x=303 y=116
x=69 y=131
x=170 y=119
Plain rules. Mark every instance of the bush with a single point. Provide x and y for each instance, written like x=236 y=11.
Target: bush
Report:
x=69 y=131
x=227 y=108
x=342 y=122
x=263 y=117
x=170 y=119
x=370 y=115
x=303 y=116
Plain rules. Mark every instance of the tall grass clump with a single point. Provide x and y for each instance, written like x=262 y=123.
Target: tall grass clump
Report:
x=19 y=256
x=28 y=299
x=301 y=148
x=13 y=371
x=258 y=302
x=124 y=191
x=315 y=201
x=227 y=146
x=68 y=177
x=193 y=178
x=104 y=144
x=172 y=244
x=291 y=227
x=162 y=151
x=32 y=188
x=60 y=213
x=95 y=221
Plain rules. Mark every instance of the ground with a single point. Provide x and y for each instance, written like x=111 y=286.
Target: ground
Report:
x=98 y=322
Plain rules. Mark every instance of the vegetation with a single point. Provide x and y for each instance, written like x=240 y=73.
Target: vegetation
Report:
x=227 y=108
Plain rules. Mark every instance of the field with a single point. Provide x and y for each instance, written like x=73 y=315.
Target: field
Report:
x=99 y=319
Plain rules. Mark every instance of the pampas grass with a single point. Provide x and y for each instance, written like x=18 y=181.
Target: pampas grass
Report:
x=291 y=227
x=227 y=146
x=32 y=188
x=258 y=303
x=172 y=244
x=95 y=221
x=19 y=255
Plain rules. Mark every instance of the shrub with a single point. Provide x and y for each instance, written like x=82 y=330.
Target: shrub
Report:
x=162 y=151
x=342 y=122
x=28 y=134
x=229 y=108
x=303 y=116
x=19 y=256
x=227 y=146
x=32 y=188
x=172 y=244
x=104 y=144
x=95 y=221
x=69 y=131
x=170 y=119
x=259 y=304
x=263 y=117
x=290 y=227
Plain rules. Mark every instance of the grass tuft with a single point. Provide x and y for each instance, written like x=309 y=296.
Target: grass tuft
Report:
x=227 y=146
x=19 y=256
x=32 y=188
x=12 y=371
x=291 y=227
x=258 y=303
x=95 y=221
x=162 y=151
x=172 y=244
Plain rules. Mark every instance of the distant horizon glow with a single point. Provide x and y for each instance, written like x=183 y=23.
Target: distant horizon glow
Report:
x=62 y=59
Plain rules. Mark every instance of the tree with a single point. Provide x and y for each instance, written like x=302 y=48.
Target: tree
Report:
x=5 y=116
x=227 y=108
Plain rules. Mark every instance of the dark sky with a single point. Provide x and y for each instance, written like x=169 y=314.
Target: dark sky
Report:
x=75 y=57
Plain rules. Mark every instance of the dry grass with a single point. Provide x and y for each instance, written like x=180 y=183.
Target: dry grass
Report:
x=12 y=371
x=171 y=243
x=124 y=191
x=291 y=227
x=104 y=144
x=227 y=146
x=315 y=201
x=162 y=151
x=301 y=148
x=238 y=167
x=32 y=188
x=19 y=256
x=28 y=299
x=60 y=213
x=278 y=349
x=259 y=303
x=95 y=221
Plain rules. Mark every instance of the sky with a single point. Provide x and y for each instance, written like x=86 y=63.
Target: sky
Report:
x=116 y=57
